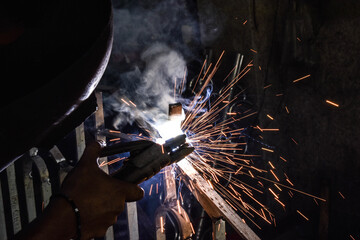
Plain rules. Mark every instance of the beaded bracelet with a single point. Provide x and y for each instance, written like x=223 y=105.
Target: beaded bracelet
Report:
x=76 y=211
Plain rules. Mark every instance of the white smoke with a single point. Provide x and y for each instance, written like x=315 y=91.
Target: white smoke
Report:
x=164 y=67
x=150 y=51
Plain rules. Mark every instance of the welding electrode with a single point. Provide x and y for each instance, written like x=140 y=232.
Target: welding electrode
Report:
x=147 y=158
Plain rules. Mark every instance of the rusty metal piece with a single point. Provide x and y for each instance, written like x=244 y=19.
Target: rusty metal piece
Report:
x=44 y=176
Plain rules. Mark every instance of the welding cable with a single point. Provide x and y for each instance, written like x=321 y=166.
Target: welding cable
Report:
x=76 y=211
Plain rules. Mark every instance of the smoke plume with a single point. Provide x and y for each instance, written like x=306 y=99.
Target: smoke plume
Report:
x=152 y=44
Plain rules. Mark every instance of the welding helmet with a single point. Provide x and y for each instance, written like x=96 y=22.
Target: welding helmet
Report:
x=51 y=61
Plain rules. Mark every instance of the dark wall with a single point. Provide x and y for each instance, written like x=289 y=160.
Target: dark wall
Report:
x=293 y=39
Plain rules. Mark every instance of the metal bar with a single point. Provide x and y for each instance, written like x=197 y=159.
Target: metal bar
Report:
x=133 y=226
x=80 y=140
x=44 y=176
x=64 y=167
x=170 y=186
x=2 y=217
x=215 y=206
x=14 y=200
x=29 y=189
x=99 y=125
x=219 y=231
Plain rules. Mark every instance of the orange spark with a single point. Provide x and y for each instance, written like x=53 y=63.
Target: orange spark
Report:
x=287 y=110
x=302 y=78
x=253 y=50
x=132 y=103
x=272 y=166
x=111 y=162
x=113 y=131
x=271 y=118
x=267 y=149
x=267 y=86
x=238 y=170
x=114 y=139
x=150 y=189
x=125 y=102
x=230 y=113
x=178 y=205
x=294 y=141
x=282 y=204
x=332 y=103
x=245 y=22
x=272 y=172
x=341 y=195
x=192 y=228
x=273 y=193
x=277 y=187
x=288 y=180
x=271 y=129
x=283 y=159
x=302 y=215
x=210 y=184
x=161 y=224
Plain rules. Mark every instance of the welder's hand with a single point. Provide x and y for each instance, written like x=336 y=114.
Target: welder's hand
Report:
x=99 y=197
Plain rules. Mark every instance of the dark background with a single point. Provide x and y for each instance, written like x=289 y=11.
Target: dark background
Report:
x=326 y=159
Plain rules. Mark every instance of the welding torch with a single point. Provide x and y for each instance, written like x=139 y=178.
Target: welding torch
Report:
x=147 y=158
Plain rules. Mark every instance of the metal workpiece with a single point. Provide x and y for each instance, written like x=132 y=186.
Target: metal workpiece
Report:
x=80 y=140
x=214 y=205
x=219 y=229
x=44 y=176
x=170 y=193
x=29 y=189
x=182 y=221
x=64 y=167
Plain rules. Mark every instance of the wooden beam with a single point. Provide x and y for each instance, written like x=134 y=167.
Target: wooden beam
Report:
x=215 y=206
